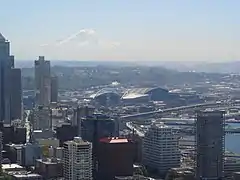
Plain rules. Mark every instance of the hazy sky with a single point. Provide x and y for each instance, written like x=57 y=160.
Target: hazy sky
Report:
x=136 y=30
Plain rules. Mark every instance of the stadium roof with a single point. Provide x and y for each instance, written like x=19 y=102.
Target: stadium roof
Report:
x=139 y=92
x=104 y=91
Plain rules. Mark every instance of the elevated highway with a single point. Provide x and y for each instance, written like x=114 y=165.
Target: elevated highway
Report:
x=182 y=108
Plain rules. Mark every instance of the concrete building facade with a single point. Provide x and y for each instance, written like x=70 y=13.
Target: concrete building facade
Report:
x=77 y=160
x=161 y=149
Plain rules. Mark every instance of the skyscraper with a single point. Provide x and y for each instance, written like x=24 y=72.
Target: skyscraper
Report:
x=161 y=149
x=16 y=94
x=210 y=145
x=6 y=67
x=77 y=159
x=54 y=89
x=42 y=81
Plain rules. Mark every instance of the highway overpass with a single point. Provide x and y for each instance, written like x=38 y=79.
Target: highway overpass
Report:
x=181 y=108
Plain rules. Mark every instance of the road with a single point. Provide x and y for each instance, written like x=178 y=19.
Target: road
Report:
x=27 y=125
x=170 y=110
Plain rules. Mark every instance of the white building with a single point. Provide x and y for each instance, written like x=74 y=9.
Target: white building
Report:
x=42 y=81
x=161 y=148
x=77 y=160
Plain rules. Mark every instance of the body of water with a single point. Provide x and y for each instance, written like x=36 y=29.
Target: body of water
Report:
x=232 y=141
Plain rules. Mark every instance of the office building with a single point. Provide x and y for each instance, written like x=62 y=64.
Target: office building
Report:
x=79 y=113
x=77 y=160
x=14 y=153
x=97 y=126
x=161 y=149
x=31 y=152
x=13 y=134
x=6 y=63
x=19 y=135
x=50 y=142
x=58 y=153
x=49 y=168
x=42 y=134
x=16 y=94
x=115 y=158
x=42 y=82
x=209 y=145
x=66 y=133
x=41 y=118
x=54 y=89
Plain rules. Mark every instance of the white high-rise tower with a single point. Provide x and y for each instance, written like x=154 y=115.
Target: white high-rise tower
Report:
x=77 y=159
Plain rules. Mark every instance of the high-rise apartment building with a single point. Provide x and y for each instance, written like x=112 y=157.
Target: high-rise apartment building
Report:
x=54 y=89
x=210 y=145
x=10 y=89
x=42 y=81
x=77 y=160
x=161 y=149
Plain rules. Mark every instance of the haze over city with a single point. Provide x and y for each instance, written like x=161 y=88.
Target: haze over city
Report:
x=134 y=30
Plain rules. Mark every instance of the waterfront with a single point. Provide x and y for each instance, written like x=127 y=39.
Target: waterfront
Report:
x=232 y=141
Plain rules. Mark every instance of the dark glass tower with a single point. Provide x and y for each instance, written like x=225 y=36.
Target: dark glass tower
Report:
x=5 y=71
x=10 y=85
x=210 y=145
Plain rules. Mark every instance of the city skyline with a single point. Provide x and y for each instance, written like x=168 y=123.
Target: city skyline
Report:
x=122 y=30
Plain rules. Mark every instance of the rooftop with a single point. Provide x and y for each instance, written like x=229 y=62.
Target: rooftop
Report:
x=78 y=141
x=49 y=161
x=114 y=140
x=23 y=174
x=11 y=167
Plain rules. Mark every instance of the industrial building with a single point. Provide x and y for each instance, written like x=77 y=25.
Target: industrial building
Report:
x=77 y=159
x=115 y=158
x=210 y=145
x=161 y=149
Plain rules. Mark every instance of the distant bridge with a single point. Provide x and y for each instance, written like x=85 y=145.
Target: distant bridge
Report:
x=181 y=108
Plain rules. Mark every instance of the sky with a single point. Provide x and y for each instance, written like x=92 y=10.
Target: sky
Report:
x=123 y=30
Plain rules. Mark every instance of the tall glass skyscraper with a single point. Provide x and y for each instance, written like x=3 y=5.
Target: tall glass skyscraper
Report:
x=5 y=70
x=9 y=93
x=42 y=82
